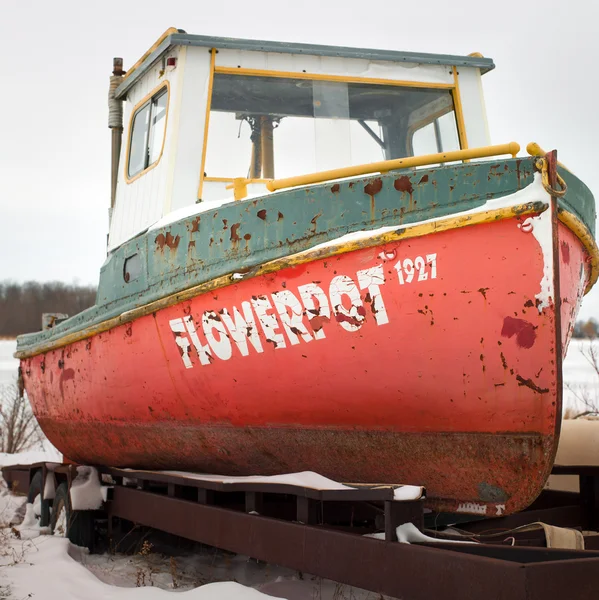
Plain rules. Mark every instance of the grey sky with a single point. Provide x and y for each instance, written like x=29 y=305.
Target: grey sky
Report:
x=57 y=56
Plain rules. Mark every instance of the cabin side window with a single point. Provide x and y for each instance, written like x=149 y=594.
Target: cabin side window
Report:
x=146 y=139
x=266 y=127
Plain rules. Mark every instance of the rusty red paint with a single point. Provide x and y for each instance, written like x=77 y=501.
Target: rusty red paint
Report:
x=335 y=188
x=247 y=236
x=195 y=224
x=403 y=184
x=234 y=235
x=423 y=179
x=565 y=248
x=422 y=418
x=169 y=241
x=262 y=214
x=523 y=330
x=373 y=187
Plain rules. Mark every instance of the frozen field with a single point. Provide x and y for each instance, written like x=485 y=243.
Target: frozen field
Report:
x=45 y=567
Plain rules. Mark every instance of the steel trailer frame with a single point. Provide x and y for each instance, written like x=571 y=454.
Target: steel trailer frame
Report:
x=294 y=527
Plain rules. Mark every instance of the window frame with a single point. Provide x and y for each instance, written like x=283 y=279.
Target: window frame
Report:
x=452 y=88
x=163 y=88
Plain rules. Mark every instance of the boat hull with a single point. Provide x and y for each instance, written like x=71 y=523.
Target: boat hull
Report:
x=433 y=360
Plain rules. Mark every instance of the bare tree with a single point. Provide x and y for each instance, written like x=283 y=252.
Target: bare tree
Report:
x=19 y=430
x=586 y=398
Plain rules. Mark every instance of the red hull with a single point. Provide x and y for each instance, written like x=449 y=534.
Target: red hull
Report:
x=450 y=380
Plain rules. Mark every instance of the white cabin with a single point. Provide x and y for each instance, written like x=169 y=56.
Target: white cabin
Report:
x=202 y=111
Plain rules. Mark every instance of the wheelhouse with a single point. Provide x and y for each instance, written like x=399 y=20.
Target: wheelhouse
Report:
x=202 y=112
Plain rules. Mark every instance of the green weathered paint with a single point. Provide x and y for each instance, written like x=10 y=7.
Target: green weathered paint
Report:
x=246 y=234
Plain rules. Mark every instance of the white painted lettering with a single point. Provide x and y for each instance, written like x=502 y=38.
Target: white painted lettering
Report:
x=352 y=319
x=268 y=322
x=178 y=327
x=316 y=315
x=242 y=328
x=371 y=280
x=202 y=350
x=221 y=344
x=293 y=323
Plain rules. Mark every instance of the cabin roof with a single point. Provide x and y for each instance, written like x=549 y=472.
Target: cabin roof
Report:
x=177 y=37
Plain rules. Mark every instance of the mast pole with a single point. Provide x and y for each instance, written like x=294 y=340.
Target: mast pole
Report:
x=115 y=123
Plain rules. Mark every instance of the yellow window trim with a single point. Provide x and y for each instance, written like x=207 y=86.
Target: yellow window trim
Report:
x=412 y=129
x=325 y=77
x=459 y=113
x=232 y=179
x=144 y=100
x=207 y=121
x=452 y=87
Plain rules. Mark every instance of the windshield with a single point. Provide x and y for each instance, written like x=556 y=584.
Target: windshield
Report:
x=267 y=127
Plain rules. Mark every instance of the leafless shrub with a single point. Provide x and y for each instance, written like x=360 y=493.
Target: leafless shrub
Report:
x=587 y=399
x=19 y=430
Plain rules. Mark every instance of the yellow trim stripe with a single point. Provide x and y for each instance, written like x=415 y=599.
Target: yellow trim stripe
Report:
x=232 y=179
x=169 y=31
x=165 y=84
x=324 y=77
x=580 y=230
x=207 y=121
x=459 y=113
x=401 y=233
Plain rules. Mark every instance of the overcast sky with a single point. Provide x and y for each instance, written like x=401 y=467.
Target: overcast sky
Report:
x=57 y=57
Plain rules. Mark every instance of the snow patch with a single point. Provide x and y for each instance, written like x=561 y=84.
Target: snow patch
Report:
x=408 y=492
x=86 y=490
x=408 y=533
x=542 y=229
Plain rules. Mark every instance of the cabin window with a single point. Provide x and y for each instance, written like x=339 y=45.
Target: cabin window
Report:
x=267 y=127
x=147 y=133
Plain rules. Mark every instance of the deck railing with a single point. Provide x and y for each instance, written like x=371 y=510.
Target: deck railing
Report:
x=239 y=184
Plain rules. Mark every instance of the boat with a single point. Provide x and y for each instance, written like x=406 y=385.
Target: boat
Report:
x=318 y=262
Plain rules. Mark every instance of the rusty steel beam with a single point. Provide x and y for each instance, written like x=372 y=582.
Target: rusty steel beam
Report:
x=405 y=571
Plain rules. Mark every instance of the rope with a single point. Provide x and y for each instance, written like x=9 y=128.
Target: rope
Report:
x=543 y=167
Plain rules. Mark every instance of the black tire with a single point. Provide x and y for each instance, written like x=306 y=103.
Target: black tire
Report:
x=36 y=488
x=79 y=523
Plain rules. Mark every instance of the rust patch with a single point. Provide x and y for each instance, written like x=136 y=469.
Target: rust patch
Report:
x=262 y=214
x=247 y=236
x=313 y=221
x=374 y=187
x=565 y=252
x=234 y=236
x=503 y=361
x=529 y=383
x=318 y=322
x=169 y=241
x=280 y=217
x=523 y=330
x=195 y=225
x=423 y=179
x=191 y=245
x=483 y=291
x=335 y=188
x=403 y=184
x=529 y=304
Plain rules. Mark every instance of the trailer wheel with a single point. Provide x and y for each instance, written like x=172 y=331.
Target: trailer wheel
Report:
x=76 y=525
x=35 y=496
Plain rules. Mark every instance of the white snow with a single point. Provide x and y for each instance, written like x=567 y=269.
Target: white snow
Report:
x=408 y=533
x=408 y=492
x=307 y=479
x=541 y=227
x=86 y=490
